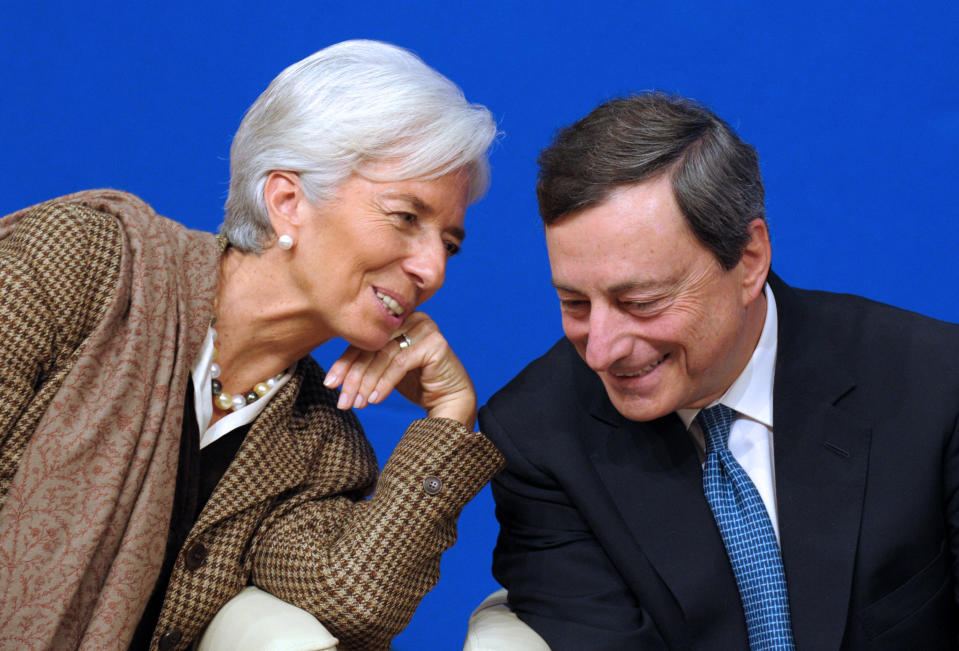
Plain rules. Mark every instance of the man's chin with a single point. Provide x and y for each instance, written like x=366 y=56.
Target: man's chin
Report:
x=639 y=408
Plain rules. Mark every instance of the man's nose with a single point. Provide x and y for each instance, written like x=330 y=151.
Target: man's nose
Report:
x=607 y=340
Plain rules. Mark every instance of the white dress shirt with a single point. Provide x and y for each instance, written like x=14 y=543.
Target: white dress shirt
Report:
x=203 y=398
x=751 y=396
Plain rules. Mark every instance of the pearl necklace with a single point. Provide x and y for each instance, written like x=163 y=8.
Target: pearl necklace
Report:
x=227 y=402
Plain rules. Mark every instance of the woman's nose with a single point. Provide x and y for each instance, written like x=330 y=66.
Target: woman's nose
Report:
x=427 y=265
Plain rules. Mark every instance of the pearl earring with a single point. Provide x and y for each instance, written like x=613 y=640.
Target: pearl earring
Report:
x=285 y=242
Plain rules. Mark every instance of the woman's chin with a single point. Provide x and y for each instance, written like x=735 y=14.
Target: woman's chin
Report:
x=370 y=343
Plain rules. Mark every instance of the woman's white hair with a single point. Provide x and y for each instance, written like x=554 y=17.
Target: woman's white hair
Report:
x=349 y=104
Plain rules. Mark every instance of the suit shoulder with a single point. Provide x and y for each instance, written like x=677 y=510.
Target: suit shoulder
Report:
x=548 y=401
x=871 y=321
x=542 y=378
x=878 y=340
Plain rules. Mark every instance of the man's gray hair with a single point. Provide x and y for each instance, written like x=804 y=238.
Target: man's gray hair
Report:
x=349 y=104
x=715 y=175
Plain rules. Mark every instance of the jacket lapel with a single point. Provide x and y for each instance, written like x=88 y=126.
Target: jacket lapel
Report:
x=654 y=478
x=271 y=460
x=821 y=458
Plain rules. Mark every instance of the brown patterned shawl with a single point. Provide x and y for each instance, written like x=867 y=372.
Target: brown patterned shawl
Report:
x=84 y=524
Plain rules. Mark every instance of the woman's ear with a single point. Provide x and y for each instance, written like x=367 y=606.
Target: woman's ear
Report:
x=285 y=202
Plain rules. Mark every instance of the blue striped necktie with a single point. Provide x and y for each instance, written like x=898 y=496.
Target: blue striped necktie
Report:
x=748 y=535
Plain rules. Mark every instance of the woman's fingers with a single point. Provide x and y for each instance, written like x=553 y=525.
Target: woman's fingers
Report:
x=365 y=379
x=418 y=362
x=359 y=373
x=340 y=369
x=356 y=376
x=441 y=385
x=438 y=382
x=334 y=376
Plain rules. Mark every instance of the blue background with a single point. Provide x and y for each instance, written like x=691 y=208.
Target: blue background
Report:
x=854 y=108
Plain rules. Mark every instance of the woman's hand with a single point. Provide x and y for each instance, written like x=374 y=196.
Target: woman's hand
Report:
x=427 y=373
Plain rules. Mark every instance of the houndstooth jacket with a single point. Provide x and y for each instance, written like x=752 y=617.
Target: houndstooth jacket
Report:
x=289 y=515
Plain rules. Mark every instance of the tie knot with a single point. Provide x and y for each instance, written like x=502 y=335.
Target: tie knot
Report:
x=716 y=422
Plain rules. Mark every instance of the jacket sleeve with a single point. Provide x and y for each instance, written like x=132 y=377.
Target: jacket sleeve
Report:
x=362 y=566
x=559 y=579
x=56 y=267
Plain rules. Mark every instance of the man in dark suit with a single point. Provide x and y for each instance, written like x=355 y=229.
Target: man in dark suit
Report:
x=690 y=372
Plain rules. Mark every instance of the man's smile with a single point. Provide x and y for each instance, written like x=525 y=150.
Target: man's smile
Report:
x=643 y=371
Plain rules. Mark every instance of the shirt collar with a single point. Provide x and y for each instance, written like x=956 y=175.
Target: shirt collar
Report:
x=203 y=397
x=751 y=395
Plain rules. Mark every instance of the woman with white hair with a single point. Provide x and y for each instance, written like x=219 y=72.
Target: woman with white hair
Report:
x=149 y=370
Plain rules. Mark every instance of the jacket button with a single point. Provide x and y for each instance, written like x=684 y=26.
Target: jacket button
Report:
x=195 y=556
x=170 y=639
x=432 y=485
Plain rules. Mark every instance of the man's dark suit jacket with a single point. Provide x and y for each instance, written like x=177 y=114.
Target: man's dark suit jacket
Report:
x=607 y=541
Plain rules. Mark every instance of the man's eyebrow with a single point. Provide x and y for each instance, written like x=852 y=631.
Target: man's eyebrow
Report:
x=641 y=285
x=564 y=288
x=632 y=285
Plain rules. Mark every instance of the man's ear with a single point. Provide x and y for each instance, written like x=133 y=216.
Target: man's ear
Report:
x=757 y=256
x=285 y=202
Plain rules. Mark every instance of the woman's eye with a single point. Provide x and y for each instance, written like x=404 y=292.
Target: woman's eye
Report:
x=408 y=217
x=452 y=248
